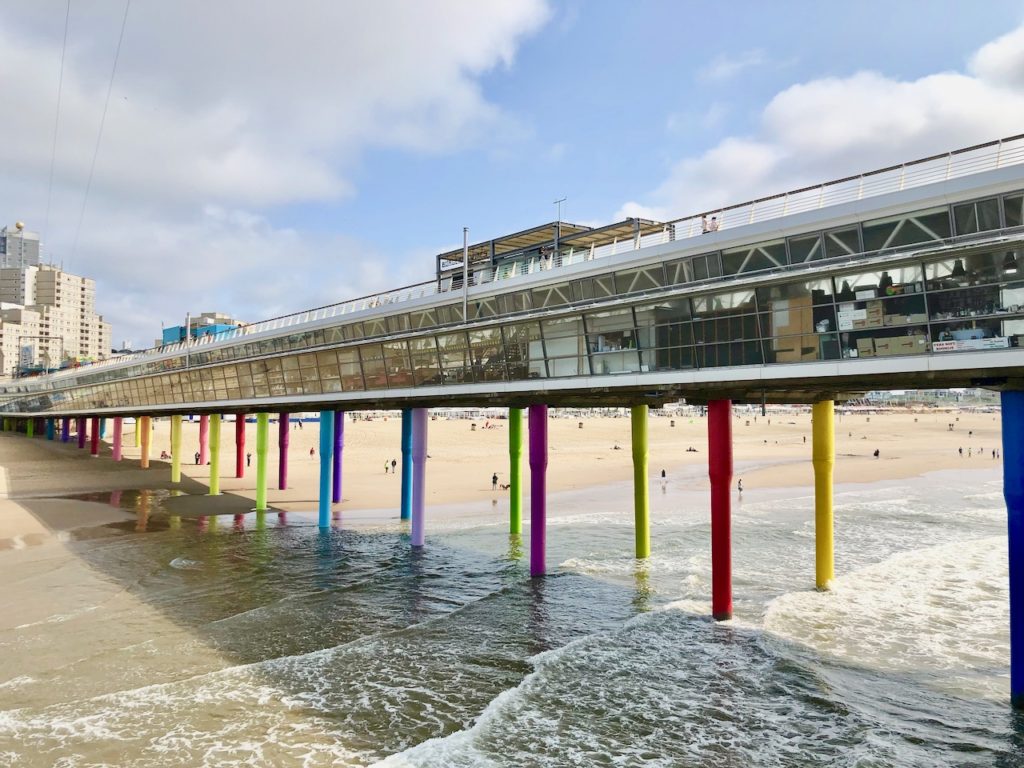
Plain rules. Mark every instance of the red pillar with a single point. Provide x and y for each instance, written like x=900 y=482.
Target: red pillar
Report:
x=94 y=436
x=720 y=472
x=240 y=445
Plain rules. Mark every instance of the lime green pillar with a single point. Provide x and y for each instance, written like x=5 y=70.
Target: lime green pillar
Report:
x=515 y=470
x=641 y=511
x=176 y=449
x=30 y=428
x=215 y=454
x=824 y=458
x=262 y=443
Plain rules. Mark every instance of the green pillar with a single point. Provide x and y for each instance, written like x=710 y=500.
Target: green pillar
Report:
x=262 y=442
x=641 y=511
x=175 y=448
x=215 y=454
x=515 y=473
x=30 y=428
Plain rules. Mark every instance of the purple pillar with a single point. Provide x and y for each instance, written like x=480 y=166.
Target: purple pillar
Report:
x=419 y=474
x=65 y=429
x=282 y=451
x=80 y=425
x=538 y=421
x=204 y=439
x=118 y=433
x=339 y=444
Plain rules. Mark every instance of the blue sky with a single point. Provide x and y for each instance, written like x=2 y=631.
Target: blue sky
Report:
x=259 y=159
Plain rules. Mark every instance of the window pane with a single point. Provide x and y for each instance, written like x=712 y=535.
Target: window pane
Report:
x=754 y=258
x=455 y=363
x=372 y=358
x=804 y=249
x=524 y=356
x=636 y=280
x=426 y=365
x=842 y=242
x=396 y=361
x=799 y=321
x=917 y=227
x=1013 y=207
x=612 y=341
x=565 y=347
x=487 y=354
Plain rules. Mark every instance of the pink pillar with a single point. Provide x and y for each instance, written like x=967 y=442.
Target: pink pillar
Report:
x=538 y=424
x=94 y=436
x=240 y=445
x=283 y=425
x=720 y=473
x=204 y=439
x=118 y=434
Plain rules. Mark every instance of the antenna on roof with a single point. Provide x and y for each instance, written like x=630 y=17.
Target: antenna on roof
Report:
x=558 y=220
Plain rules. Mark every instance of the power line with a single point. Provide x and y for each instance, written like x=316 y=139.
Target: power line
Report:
x=56 y=123
x=103 y=120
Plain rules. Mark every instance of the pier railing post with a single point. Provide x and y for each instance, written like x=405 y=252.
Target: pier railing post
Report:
x=641 y=511
x=823 y=457
x=515 y=470
x=1013 y=492
x=538 y=425
x=720 y=474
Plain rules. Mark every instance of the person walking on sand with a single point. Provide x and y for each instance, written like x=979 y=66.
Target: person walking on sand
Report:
x=494 y=481
x=739 y=486
x=386 y=465
x=394 y=464
x=248 y=459
x=197 y=458
x=312 y=452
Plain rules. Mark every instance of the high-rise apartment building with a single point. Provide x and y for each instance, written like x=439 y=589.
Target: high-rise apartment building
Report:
x=18 y=246
x=66 y=325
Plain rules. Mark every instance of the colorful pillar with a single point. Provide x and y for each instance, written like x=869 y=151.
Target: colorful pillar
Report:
x=641 y=511
x=138 y=431
x=823 y=455
x=214 y=455
x=240 y=445
x=65 y=429
x=30 y=428
x=538 y=423
x=204 y=439
x=94 y=436
x=515 y=470
x=419 y=474
x=80 y=425
x=406 y=447
x=262 y=443
x=339 y=447
x=326 y=446
x=283 y=436
x=175 y=448
x=118 y=437
x=50 y=429
x=146 y=437
x=1013 y=492
x=103 y=428
x=720 y=473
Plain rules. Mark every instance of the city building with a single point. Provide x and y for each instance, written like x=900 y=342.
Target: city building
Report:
x=18 y=246
x=206 y=324
x=48 y=319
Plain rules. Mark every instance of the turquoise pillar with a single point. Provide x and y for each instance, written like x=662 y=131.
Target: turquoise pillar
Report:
x=406 y=446
x=326 y=449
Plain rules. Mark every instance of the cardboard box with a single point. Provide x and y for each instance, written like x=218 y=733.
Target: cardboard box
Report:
x=885 y=347
x=866 y=347
x=860 y=324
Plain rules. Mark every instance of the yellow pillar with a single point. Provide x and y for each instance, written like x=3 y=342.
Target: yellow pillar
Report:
x=146 y=432
x=215 y=454
x=176 y=449
x=641 y=511
x=824 y=459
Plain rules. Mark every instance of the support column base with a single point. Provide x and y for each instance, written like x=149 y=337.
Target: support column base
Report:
x=1017 y=702
x=722 y=616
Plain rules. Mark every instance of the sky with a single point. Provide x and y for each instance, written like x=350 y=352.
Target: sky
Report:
x=259 y=158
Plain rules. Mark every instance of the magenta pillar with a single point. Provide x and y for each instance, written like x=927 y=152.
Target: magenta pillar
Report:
x=240 y=445
x=282 y=451
x=720 y=473
x=118 y=433
x=80 y=426
x=94 y=436
x=538 y=425
x=339 y=445
x=204 y=439
x=419 y=473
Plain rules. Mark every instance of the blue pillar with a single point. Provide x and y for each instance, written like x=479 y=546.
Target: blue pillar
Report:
x=1013 y=491
x=406 y=463
x=65 y=429
x=326 y=449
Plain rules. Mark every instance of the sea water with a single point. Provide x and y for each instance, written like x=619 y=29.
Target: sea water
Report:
x=270 y=642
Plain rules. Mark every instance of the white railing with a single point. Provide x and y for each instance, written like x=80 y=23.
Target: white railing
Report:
x=950 y=165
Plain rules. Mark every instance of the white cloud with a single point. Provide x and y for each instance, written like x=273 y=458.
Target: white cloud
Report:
x=828 y=128
x=725 y=67
x=221 y=112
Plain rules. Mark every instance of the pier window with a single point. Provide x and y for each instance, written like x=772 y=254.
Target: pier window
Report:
x=552 y=296
x=805 y=248
x=372 y=358
x=423 y=318
x=398 y=323
x=524 y=351
x=456 y=367
x=290 y=375
x=275 y=376
x=842 y=242
x=907 y=229
x=565 y=347
x=426 y=367
x=595 y=288
x=309 y=374
x=480 y=309
x=376 y=327
x=350 y=370
x=612 y=341
x=638 y=280
x=678 y=272
x=725 y=329
x=511 y=303
x=396 y=360
x=1013 y=209
x=976 y=216
x=327 y=364
x=882 y=312
x=706 y=266
x=798 y=321
x=487 y=354
x=753 y=258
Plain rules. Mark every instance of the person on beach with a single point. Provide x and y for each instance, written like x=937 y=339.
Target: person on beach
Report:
x=739 y=486
x=494 y=481
x=877 y=453
x=197 y=458
x=312 y=452
x=386 y=465
x=248 y=459
x=663 y=474
x=394 y=464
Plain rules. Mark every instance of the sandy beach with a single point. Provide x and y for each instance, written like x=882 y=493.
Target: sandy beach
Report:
x=771 y=451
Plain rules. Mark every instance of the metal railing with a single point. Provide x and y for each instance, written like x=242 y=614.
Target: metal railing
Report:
x=928 y=170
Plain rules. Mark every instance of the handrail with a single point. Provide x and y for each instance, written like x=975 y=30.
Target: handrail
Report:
x=1008 y=151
